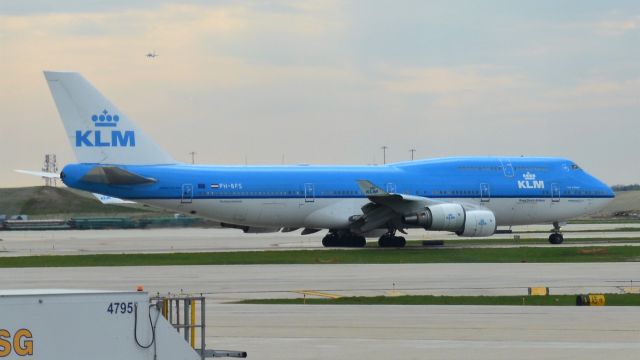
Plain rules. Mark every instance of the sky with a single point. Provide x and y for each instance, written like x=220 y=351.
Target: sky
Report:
x=331 y=82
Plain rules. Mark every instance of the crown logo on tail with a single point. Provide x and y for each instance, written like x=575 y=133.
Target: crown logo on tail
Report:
x=105 y=119
x=529 y=176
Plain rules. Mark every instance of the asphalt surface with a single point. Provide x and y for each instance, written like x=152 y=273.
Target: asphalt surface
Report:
x=425 y=332
x=74 y=242
x=224 y=283
x=385 y=332
x=347 y=332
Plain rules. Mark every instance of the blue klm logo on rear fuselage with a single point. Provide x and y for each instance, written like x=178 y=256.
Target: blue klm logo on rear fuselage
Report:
x=104 y=138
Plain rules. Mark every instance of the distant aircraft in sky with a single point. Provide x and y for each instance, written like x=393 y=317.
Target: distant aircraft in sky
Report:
x=469 y=196
x=152 y=54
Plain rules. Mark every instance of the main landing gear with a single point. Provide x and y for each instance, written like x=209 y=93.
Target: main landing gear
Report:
x=556 y=236
x=343 y=239
x=391 y=240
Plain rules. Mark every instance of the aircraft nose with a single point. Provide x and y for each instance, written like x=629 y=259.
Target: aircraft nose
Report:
x=608 y=191
x=604 y=189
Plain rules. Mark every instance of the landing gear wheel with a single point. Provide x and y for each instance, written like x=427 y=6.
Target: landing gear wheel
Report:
x=388 y=240
x=343 y=240
x=330 y=240
x=556 y=238
x=357 y=241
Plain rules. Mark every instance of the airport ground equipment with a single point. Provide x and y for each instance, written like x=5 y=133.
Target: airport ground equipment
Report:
x=86 y=324
x=591 y=300
x=538 y=291
x=186 y=313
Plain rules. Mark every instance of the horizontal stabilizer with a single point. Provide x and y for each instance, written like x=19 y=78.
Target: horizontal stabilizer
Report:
x=113 y=175
x=43 y=174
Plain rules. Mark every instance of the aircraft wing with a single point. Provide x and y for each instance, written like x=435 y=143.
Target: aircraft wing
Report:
x=400 y=203
x=385 y=208
x=388 y=208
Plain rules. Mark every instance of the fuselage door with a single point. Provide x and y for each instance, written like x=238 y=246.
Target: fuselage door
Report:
x=507 y=168
x=309 y=195
x=187 y=194
x=391 y=188
x=485 y=192
x=555 y=192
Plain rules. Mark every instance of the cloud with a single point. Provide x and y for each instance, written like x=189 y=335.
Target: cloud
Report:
x=446 y=80
x=595 y=93
x=260 y=79
x=617 y=27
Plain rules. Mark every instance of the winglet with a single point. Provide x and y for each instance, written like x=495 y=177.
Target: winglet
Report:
x=108 y=200
x=369 y=189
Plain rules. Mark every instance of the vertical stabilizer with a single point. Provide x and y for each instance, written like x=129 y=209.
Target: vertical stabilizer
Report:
x=97 y=130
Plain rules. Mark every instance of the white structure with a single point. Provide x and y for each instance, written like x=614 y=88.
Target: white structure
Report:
x=50 y=166
x=86 y=324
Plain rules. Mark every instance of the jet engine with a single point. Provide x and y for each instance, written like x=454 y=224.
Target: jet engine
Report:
x=453 y=217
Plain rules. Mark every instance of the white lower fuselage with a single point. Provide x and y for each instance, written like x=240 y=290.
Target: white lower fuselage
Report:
x=334 y=213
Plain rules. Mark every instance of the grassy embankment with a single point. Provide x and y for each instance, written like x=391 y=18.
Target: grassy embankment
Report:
x=60 y=202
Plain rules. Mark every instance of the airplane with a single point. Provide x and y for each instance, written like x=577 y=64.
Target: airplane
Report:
x=469 y=196
x=152 y=54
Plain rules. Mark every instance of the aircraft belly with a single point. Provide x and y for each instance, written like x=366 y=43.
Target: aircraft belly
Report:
x=321 y=213
x=332 y=213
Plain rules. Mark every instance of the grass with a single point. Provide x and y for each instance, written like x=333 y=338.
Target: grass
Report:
x=552 y=300
x=606 y=221
x=526 y=241
x=620 y=229
x=355 y=256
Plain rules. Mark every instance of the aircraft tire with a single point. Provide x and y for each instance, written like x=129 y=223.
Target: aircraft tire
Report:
x=358 y=241
x=385 y=241
x=391 y=241
x=330 y=240
x=556 y=238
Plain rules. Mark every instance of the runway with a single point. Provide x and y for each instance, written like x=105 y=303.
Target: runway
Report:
x=385 y=332
x=347 y=332
x=78 y=242
x=425 y=332
x=224 y=283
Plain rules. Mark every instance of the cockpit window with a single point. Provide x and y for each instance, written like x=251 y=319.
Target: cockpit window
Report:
x=575 y=167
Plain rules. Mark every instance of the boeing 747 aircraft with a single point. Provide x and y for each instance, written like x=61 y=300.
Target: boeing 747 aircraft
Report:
x=469 y=196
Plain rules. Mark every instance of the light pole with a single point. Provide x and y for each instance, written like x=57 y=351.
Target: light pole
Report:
x=384 y=154
x=193 y=157
x=412 y=151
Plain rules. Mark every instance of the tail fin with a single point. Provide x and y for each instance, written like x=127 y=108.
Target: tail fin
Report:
x=98 y=131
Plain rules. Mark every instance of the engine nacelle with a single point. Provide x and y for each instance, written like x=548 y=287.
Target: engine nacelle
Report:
x=453 y=217
x=441 y=217
x=478 y=223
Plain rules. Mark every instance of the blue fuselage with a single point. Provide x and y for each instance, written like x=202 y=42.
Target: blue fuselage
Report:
x=476 y=178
